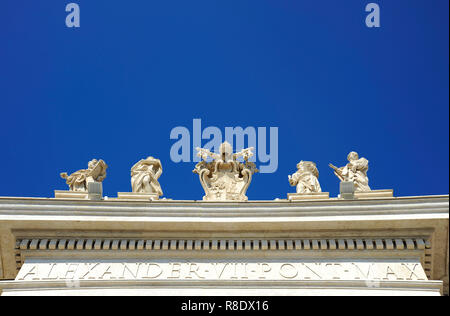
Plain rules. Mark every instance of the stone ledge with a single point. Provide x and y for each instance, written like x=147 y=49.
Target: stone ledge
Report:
x=223 y=287
x=131 y=196
x=308 y=196
x=63 y=194
x=375 y=194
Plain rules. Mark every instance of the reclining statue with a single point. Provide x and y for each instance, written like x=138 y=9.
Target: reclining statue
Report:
x=78 y=181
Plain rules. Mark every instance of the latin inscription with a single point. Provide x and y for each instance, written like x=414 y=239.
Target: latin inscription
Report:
x=221 y=271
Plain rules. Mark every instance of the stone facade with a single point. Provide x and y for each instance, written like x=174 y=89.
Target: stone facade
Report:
x=368 y=245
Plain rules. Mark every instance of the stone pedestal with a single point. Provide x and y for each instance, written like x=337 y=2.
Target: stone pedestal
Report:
x=346 y=190
x=137 y=196
x=64 y=194
x=308 y=196
x=374 y=194
x=95 y=192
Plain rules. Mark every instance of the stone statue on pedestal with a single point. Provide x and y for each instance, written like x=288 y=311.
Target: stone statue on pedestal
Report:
x=355 y=171
x=144 y=176
x=305 y=178
x=78 y=181
x=225 y=178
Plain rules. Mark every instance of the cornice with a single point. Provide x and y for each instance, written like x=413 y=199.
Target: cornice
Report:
x=437 y=206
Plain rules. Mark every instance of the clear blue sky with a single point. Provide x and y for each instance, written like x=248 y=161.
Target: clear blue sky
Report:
x=115 y=87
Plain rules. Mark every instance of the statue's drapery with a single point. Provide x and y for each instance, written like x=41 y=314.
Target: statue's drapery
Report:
x=355 y=171
x=305 y=178
x=144 y=176
x=78 y=181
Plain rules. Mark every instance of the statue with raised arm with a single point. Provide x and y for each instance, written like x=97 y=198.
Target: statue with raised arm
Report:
x=78 y=181
x=305 y=178
x=144 y=176
x=355 y=171
x=225 y=178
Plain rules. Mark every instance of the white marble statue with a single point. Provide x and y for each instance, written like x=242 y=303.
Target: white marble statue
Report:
x=225 y=178
x=78 y=181
x=305 y=178
x=144 y=176
x=355 y=171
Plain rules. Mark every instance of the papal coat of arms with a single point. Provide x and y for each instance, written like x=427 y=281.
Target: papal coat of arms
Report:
x=225 y=178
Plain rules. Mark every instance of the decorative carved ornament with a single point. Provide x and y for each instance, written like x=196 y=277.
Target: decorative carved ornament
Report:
x=225 y=178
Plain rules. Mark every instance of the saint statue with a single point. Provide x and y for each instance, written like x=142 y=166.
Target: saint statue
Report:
x=144 y=176
x=305 y=178
x=78 y=181
x=355 y=171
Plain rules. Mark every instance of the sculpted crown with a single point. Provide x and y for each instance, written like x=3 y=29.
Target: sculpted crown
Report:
x=225 y=178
